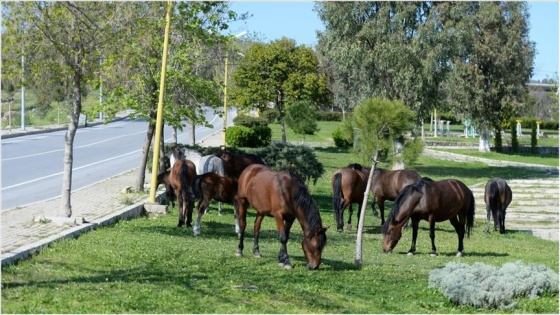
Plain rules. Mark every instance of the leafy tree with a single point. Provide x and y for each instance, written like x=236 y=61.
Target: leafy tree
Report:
x=301 y=118
x=280 y=73
x=493 y=61
x=63 y=38
x=380 y=123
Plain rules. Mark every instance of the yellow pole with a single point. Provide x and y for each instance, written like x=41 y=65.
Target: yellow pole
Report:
x=225 y=102
x=159 y=120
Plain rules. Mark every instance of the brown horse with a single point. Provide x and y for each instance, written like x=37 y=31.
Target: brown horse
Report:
x=235 y=163
x=497 y=196
x=434 y=202
x=163 y=178
x=348 y=184
x=386 y=185
x=210 y=186
x=181 y=175
x=283 y=196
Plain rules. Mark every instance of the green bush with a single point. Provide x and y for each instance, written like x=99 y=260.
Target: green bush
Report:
x=300 y=117
x=299 y=160
x=534 y=137
x=249 y=121
x=482 y=285
x=241 y=136
x=329 y=116
x=341 y=139
x=271 y=115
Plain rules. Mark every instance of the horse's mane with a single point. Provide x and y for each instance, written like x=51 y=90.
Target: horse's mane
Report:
x=303 y=199
x=417 y=186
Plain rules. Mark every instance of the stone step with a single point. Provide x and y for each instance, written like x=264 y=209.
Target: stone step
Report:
x=534 y=196
x=510 y=217
x=479 y=202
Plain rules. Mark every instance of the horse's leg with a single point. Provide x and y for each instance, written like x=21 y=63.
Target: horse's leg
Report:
x=180 y=208
x=256 y=233
x=220 y=208
x=496 y=219
x=373 y=202
x=502 y=218
x=412 y=249
x=284 y=230
x=349 y=225
x=488 y=215
x=241 y=206
x=433 y=236
x=381 y=204
x=460 y=229
x=200 y=211
x=189 y=206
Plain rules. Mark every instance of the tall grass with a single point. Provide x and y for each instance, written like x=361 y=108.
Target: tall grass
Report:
x=148 y=265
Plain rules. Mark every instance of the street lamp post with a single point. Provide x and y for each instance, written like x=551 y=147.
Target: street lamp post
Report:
x=225 y=89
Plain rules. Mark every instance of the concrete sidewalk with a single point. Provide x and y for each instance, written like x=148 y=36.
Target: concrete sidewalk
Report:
x=27 y=230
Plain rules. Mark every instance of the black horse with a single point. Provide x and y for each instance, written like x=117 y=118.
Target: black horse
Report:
x=497 y=196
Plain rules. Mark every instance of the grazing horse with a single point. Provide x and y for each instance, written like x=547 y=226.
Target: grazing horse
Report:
x=283 y=196
x=386 y=185
x=349 y=185
x=206 y=164
x=497 y=196
x=210 y=186
x=434 y=202
x=163 y=178
x=181 y=175
x=235 y=163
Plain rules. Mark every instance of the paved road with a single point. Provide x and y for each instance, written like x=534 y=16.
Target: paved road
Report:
x=32 y=165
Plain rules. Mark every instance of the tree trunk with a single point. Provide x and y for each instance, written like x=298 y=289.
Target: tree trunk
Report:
x=484 y=140
x=145 y=151
x=358 y=259
x=162 y=151
x=193 y=136
x=69 y=146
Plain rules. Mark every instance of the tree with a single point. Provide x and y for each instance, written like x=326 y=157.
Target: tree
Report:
x=380 y=122
x=66 y=38
x=280 y=73
x=493 y=61
x=301 y=117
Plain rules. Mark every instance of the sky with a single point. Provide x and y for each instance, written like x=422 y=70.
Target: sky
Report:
x=298 y=21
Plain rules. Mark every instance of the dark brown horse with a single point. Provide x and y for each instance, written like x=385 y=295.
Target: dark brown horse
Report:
x=348 y=184
x=235 y=163
x=283 y=196
x=386 y=185
x=181 y=175
x=497 y=196
x=434 y=202
x=210 y=186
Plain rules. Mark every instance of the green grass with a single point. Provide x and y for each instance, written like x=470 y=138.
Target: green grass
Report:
x=324 y=134
x=548 y=160
x=148 y=265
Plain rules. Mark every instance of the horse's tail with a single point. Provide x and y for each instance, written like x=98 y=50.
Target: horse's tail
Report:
x=196 y=186
x=337 y=195
x=493 y=195
x=186 y=189
x=470 y=215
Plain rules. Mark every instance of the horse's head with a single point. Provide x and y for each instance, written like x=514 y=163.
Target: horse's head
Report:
x=313 y=247
x=391 y=235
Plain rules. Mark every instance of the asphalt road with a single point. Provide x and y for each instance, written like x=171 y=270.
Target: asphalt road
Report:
x=32 y=165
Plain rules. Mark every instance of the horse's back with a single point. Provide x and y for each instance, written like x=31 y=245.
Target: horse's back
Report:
x=497 y=191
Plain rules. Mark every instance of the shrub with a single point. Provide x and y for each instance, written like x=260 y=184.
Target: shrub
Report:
x=341 y=138
x=241 y=136
x=271 y=115
x=249 y=121
x=299 y=160
x=329 y=116
x=482 y=285
x=260 y=136
x=534 y=137
x=300 y=117
x=514 y=140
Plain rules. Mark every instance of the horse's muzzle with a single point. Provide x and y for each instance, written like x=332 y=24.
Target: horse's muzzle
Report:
x=312 y=267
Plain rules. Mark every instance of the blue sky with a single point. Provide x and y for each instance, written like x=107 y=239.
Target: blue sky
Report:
x=297 y=20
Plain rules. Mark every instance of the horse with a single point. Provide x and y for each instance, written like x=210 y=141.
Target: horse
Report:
x=163 y=178
x=348 y=185
x=283 y=196
x=210 y=186
x=181 y=176
x=235 y=163
x=387 y=184
x=434 y=202
x=206 y=164
x=497 y=196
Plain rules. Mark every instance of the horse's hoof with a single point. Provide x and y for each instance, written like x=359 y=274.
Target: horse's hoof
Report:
x=239 y=254
x=257 y=255
x=433 y=254
x=410 y=254
x=349 y=227
x=459 y=254
x=339 y=230
x=287 y=266
x=220 y=214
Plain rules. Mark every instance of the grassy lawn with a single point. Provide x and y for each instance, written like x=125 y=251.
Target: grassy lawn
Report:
x=148 y=265
x=548 y=160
